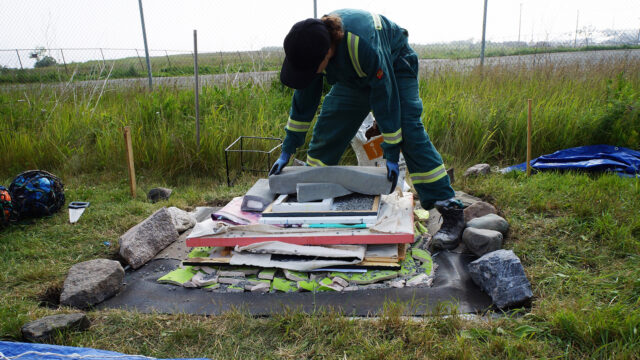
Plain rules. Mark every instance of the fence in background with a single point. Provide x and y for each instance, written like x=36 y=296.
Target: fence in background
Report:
x=53 y=64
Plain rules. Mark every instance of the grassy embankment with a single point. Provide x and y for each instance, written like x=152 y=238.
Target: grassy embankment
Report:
x=578 y=236
x=244 y=61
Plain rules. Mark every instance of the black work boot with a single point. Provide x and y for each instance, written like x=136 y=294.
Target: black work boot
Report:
x=450 y=233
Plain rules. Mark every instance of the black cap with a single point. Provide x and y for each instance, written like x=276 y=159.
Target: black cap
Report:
x=305 y=47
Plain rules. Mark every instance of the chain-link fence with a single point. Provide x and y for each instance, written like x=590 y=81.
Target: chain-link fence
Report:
x=55 y=40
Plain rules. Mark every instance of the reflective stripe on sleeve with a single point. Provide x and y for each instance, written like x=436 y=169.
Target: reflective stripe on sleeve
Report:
x=393 y=138
x=298 y=126
x=429 y=176
x=376 y=21
x=314 y=162
x=352 y=45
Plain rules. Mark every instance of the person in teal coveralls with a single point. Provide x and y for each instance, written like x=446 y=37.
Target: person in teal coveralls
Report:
x=371 y=67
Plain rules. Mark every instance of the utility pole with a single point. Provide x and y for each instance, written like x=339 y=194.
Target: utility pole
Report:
x=315 y=9
x=520 y=23
x=575 y=40
x=146 y=47
x=484 y=32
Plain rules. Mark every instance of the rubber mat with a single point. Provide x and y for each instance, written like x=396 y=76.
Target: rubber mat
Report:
x=452 y=285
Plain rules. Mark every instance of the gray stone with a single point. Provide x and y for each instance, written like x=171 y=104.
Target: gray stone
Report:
x=478 y=169
x=143 y=241
x=156 y=194
x=320 y=191
x=490 y=222
x=91 y=282
x=466 y=199
x=46 y=327
x=258 y=197
x=482 y=241
x=182 y=220
x=202 y=213
x=477 y=210
x=369 y=180
x=501 y=275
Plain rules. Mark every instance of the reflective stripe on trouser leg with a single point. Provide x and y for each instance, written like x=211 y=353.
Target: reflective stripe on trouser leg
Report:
x=342 y=113
x=424 y=163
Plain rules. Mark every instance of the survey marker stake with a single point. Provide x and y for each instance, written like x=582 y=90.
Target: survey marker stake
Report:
x=76 y=208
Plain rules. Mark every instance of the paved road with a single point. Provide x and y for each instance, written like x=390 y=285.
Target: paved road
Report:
x=427 y=66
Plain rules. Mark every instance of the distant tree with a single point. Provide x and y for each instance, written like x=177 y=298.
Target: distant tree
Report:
x=43 y=60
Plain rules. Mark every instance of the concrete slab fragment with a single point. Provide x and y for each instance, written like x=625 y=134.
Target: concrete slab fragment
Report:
x=320 y=191
x=368 y=180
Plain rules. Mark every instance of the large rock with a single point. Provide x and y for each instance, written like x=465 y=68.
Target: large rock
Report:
x=466 y=199
x=477 y=210
x=501 y=275
x=482 y=241
x=156 y=194
x=43 y=329
x=90 y=282
x=143 y=241
x=490 y=222
x=478 y=169
x=182 y=220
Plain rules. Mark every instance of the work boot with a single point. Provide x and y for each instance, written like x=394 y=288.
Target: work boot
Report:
x=450 y=233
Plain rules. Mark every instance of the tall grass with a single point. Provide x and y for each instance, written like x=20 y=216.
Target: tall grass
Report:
x=470 y=116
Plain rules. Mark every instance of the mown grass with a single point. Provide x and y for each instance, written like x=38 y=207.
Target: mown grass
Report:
x=578 y=237
x=471 y=116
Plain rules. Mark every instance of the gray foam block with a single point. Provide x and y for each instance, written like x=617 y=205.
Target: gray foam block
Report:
x=369 y=180
x=319 y=191
x=258 y=197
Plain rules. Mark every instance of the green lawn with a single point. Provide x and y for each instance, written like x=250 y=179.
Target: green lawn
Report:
x=578 y=237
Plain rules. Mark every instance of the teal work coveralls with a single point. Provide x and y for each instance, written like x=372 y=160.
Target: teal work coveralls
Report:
x=373 y=69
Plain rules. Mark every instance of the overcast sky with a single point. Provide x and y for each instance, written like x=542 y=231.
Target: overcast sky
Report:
x=226 y=25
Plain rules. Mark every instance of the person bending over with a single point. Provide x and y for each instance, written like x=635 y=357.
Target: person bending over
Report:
x=371 y=67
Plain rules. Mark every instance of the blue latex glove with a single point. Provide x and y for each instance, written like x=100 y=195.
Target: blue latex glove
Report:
x=282 y=161
x=392 y=173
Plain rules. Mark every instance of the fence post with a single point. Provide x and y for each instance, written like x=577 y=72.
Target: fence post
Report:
x=529 y=138
x=195 y=71
x=64 y=62
x=484 y=31
x=315 y=9
x=19 y=60
x=146 y=47
x=169 y=61
x=221 y=61
x=130 y=165
x=139 y=60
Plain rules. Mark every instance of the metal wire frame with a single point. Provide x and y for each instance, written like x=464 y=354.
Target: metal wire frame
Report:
x=242 y=151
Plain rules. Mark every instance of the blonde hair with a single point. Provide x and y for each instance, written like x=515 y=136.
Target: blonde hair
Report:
x=334 y=25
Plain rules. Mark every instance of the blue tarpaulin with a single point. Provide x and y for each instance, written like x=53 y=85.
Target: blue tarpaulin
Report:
x=592 y=158
x=28 y=351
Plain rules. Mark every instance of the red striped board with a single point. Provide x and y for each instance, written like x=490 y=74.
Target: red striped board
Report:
x=333 y=238
x=396 y=220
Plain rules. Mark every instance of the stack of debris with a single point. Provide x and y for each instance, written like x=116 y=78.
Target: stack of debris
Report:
x=333 y=228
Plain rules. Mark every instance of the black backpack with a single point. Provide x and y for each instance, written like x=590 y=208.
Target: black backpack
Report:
x=36 y=193
x=6 y=207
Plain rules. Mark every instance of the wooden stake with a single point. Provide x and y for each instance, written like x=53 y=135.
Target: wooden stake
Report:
x=132 y=170
x=529 y=140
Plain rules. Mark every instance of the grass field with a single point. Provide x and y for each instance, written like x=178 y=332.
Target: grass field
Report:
x=577 y=235
x=578 y=238
x=134 y=66
x=472 y=117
